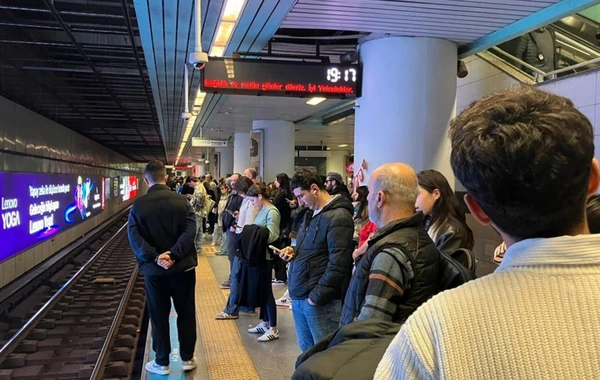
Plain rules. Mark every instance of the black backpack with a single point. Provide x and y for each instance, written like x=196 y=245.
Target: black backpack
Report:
x=456 y=269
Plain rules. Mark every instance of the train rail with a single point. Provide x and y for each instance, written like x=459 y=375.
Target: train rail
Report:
x=86 y=327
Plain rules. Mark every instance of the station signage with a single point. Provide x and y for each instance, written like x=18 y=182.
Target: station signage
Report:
x=35 y=207
x=204 y=143
x=279 y=78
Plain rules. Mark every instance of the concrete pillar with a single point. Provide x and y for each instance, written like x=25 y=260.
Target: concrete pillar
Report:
x=408 y=99
x=336 y=162
x=241 y=151
x=277 y=147
x=225 y=161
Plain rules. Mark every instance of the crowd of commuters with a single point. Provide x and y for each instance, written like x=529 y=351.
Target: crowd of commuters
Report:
x=378 y=253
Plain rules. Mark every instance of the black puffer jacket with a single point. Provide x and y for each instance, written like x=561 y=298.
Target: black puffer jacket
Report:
x=322 y=266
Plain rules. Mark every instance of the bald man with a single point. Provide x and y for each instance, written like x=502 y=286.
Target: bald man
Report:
x=399 y=271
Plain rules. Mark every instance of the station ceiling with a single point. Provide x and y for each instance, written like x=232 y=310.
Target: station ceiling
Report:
x=81 y=64
x=113 y=70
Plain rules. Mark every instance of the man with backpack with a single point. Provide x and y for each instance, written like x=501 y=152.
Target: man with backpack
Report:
x=399 y=270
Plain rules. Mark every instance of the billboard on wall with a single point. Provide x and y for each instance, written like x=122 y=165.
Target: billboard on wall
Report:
x=35 y=207
x=129 y=187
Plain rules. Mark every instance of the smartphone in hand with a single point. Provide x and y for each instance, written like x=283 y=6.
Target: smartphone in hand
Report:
x=279 y=251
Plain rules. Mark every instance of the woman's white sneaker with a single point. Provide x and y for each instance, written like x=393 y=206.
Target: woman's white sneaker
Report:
x=261 y=328
x=269 y=335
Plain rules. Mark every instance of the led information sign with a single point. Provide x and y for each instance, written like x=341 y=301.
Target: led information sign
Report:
x=35 y=207
x=278 y=78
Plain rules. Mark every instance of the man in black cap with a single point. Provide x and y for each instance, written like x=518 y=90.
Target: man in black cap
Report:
x=335 y=185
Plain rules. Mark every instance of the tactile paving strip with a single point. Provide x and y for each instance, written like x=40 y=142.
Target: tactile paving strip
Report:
x=226 y=356
x=209 y=250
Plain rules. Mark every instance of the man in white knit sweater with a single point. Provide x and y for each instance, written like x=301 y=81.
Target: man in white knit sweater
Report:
x=526 y=160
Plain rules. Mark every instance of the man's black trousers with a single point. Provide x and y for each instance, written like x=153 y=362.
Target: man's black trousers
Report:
x=159 y=291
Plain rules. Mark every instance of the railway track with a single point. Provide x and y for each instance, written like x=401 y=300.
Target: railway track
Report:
x=82 y=323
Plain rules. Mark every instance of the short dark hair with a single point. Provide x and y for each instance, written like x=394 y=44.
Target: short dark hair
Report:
x=305 y=178
x=242 y=185
x=525 y=156
x=593 y=213
x=155 y=171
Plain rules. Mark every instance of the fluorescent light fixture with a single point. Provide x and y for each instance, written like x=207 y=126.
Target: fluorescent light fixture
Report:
x=217 y=51
x=328 y=148
x=232 y=11
x=229 y=17
x=342 y=145
x=316 y=100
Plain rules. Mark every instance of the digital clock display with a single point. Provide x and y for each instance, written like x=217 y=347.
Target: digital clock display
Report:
x=279 y=78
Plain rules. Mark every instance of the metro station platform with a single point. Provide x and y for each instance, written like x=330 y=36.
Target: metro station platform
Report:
x=224 y=349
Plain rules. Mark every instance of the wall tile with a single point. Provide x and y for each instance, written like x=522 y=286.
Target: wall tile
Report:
x=8 y=267
x=580 y=89
x=589 y=112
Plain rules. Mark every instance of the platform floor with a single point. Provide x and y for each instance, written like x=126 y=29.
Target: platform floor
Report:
x=224 y=349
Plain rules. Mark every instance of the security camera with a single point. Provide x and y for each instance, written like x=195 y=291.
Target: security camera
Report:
x=198 y=59
x=207 y=162
x=186 y=115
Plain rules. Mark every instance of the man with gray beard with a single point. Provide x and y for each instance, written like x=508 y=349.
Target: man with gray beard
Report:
x=399 y=271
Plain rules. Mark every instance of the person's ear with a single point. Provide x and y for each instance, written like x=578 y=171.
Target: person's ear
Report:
x=594 y=181
x=477 y=211
x=380 y=199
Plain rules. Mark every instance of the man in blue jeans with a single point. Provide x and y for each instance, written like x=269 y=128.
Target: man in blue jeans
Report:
x=321 y=264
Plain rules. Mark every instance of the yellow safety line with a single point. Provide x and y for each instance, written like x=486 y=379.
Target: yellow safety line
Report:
x=226 y=355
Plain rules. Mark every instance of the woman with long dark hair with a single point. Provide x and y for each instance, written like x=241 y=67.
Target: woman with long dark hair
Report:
x=361 y=209
x=446 y=222
x=282 y=200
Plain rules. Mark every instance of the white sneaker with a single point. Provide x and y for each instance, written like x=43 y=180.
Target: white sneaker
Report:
x=189 y=365
x=283 y=301
x=152 y=367
x=261 y=328
x=269 y=335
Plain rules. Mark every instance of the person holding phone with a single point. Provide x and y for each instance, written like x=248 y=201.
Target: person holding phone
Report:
x=325 y=241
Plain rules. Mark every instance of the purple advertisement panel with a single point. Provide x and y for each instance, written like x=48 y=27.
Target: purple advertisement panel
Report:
x=35 y=207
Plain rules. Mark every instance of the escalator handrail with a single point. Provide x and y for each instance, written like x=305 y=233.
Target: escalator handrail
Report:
x=517 y=60
x=572 y=67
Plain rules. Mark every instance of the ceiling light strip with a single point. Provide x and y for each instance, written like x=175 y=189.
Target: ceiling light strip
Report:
x=229 y=18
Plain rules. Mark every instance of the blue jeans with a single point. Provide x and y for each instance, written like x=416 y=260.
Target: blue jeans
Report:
x=314 y=323
x=235 y=292
x=199 y=235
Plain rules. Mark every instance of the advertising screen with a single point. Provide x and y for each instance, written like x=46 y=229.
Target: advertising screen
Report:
x=129 y=187
x=35 y=207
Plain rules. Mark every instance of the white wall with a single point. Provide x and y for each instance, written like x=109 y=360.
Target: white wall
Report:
x=584 y=92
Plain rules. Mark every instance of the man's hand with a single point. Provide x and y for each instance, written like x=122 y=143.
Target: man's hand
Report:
x=164 y=260
x=287 y=253
x=236 y=214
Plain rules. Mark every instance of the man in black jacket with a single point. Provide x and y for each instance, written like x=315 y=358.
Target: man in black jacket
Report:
x=161 y=230
x=322 y=261
x=334 y=183
x=399 y=271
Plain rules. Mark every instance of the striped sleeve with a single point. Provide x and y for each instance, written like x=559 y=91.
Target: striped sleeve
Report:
x=390 y=274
